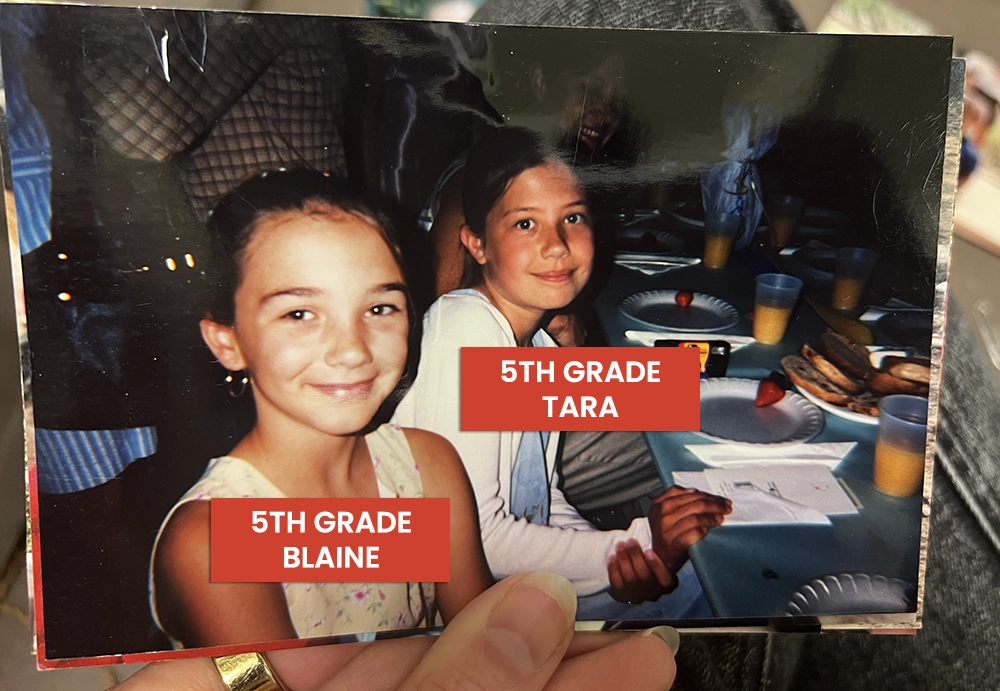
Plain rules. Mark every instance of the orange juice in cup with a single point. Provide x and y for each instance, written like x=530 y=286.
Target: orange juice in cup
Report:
x=770 y=323
x=854 y=265
x=776 y=296
x=783 y=213
x=899 y=445
x=721 y=230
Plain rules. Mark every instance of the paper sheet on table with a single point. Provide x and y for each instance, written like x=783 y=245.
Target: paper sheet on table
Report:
x=756 y=507
x=786 y=494
x=648 y=338
x=828 y=454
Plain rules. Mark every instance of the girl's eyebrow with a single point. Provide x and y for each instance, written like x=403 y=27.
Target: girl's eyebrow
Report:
x=294 y=292
x=520 y=210
x=578 y=202
x=390 y=287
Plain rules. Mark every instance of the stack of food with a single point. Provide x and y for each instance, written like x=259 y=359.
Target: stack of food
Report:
x=843 y=374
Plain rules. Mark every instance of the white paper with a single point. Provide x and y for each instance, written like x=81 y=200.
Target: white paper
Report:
x=804 y=494
x=828 y=454
x=811 y=485
x=752 y=506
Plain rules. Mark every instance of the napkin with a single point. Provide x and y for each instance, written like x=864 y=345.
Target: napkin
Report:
x=650 y=337
x=731 y=455
x=650 y=267
x=753 y=506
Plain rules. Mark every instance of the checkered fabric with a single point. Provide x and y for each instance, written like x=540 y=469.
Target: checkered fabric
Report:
x=264 y=93
x=703 y=15
x=289 y=117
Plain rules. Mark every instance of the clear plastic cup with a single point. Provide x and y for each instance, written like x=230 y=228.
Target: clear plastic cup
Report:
x=776 y=296
x=721 y=230
x=899 y=445
x=854 y=266
x=783 y=214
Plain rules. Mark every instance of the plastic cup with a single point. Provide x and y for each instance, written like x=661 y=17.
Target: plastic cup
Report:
x=776 y=296
x=899 y=445
x=783 y=214
x=854 y=266
x=721 y=230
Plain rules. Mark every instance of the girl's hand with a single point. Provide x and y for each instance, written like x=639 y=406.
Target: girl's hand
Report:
x=679 y=518
x=638 y=576
x=516 y=635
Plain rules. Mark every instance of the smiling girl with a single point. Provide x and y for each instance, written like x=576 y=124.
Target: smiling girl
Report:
x=313 y=306
x=530 y=244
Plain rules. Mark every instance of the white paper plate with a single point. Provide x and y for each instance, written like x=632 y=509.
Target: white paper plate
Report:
x=728 y=414
x=659 y=309
x=839 y=410
x=851 y=593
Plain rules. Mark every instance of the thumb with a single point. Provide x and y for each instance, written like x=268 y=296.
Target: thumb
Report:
x=513 y=636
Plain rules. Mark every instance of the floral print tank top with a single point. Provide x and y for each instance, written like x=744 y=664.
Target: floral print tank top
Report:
x=330 y=609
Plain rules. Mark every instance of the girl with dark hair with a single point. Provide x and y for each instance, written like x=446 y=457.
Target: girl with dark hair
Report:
x=528 y=234
x=312 y=315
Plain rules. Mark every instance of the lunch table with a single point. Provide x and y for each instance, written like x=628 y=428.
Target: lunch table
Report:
x=751 y=572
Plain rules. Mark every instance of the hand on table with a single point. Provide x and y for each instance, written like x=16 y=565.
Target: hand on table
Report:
x=516 y=635
x=679 y=518
x=638 y=576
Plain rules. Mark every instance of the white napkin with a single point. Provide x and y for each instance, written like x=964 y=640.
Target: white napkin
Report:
x=752 y=506
x=648 y=338
x=650 y=268
x=730 y=455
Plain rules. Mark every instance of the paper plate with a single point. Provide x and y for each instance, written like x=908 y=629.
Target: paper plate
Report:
x=635 y=238
x=839 y=410
x=852 y=593
x=659 y=309
x=728 y=414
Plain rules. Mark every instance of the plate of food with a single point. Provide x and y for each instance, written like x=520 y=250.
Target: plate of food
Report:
x=682 y=311
x=847 y=380
x=730 y=413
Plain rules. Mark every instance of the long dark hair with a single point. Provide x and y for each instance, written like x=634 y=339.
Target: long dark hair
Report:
x=238 y=214
x=500 y=156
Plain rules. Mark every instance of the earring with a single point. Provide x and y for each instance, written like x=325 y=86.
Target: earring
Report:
x=244 y=380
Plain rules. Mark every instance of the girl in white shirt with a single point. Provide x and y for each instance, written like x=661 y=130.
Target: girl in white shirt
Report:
x=530 y=244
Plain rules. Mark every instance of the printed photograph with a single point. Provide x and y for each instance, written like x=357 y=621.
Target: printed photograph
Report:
x=254 y=245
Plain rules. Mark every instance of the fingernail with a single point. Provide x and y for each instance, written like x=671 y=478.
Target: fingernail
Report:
x=668 y=635
x=533 y=620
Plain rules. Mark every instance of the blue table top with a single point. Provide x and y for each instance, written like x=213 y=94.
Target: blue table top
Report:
x=752 y=571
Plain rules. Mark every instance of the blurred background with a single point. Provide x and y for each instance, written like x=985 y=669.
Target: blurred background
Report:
x=974 y=281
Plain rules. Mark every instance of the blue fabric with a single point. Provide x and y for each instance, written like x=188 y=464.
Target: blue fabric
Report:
x=30 y=155
x=75 y=460
x=529 y=483
x=734 y=187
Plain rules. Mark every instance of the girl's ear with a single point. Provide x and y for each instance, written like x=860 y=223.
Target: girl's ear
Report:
x=221 y=340
x=473 y=243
